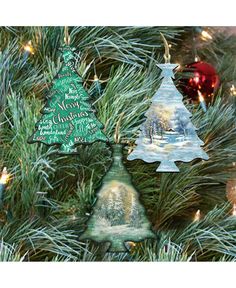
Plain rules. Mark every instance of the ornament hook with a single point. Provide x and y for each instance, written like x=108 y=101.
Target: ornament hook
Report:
x=66 y=36
x=167 y=50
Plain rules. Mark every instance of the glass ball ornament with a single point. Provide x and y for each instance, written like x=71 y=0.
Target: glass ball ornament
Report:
x=203 y=78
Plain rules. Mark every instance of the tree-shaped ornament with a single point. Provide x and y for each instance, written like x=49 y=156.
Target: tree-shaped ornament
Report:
x=68 y=117
x=118 y=216
x=167 y=135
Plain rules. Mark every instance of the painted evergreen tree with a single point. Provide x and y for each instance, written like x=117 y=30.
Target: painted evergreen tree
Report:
x=68 y=117
x=118 y=216
x=174 y=137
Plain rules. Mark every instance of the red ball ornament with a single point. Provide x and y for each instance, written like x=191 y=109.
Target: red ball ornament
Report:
x=204 y=80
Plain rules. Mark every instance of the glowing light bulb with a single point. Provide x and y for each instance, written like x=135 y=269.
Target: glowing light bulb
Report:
x=233 y=90
x=5 y=176
x=29 y=47
x=170 y=45
x=178 y=67
x=196 y=59
x=95 y=78
x=196 y=79
x=234 y=210
x=131 y=244
x=197 y=216
x=205 y=35
x=202 y=101
x=201 y=98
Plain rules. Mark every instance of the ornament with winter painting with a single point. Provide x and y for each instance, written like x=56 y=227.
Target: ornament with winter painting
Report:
x=167 y=135
x=118 y=216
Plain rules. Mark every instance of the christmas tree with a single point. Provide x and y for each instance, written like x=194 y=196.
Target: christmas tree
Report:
x=68 y=117
x=51 y=198
x=168 y=134
x=118 y=217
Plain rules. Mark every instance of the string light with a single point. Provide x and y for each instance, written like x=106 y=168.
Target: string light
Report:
x=29 y=48
x=231 y=190
x=205 y=35
x=234 y=210
x=95 y=78
x=131 y=244
x=178 y=67
x=196 y=59
x=197 y=216
x=202 y=101
x=232 y=90
x=3 y=182
x=170 y=45
x=5 y=176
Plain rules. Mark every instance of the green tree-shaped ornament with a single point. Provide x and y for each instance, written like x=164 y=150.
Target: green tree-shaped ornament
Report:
x=167 y=135
x=68 y=117
x=118 y=216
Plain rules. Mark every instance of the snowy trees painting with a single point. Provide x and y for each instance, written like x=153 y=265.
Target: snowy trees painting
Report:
x=168 y=135
x=118 y=216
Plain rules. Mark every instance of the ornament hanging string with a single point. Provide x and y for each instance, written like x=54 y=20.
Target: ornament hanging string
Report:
x=66 y=36
x=117 y=129
x=167 y=50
